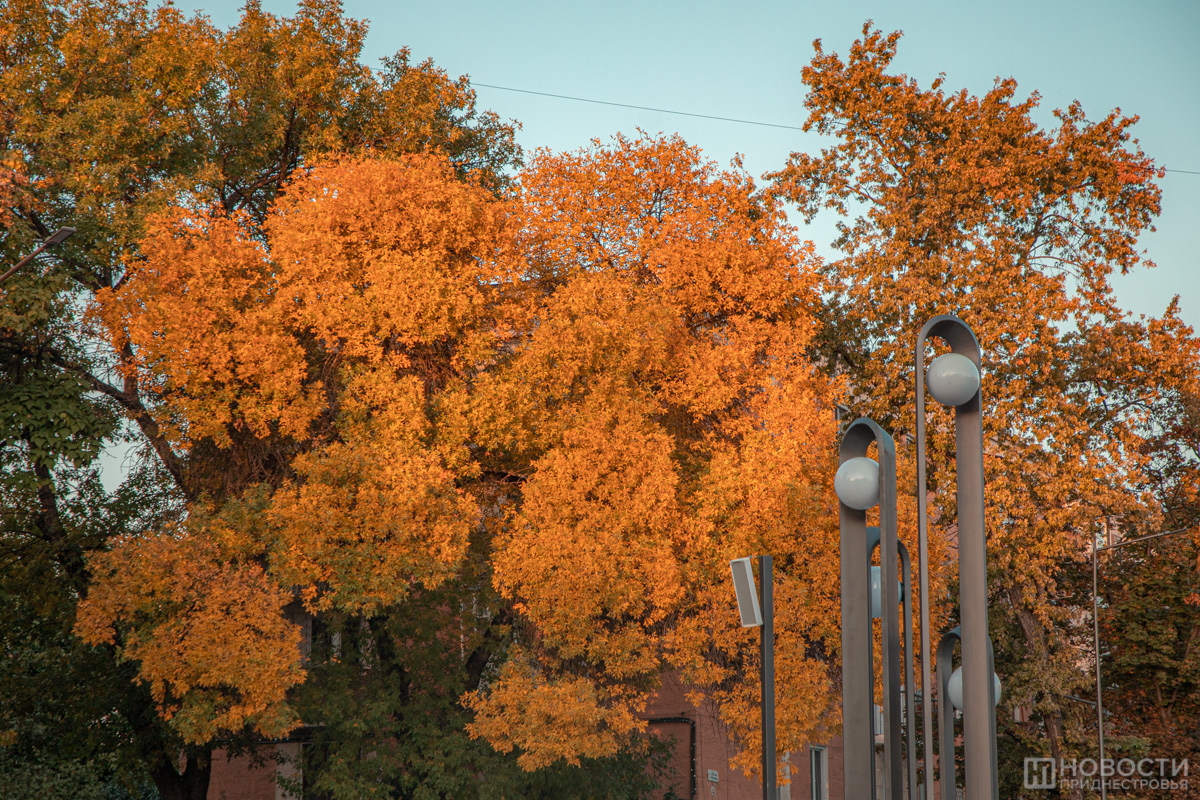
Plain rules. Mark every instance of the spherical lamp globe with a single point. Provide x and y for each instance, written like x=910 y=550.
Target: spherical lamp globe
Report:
x=955 y=688
x=857 y=483
x=953 y=379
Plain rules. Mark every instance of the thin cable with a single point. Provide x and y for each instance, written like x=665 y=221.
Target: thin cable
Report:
x=682 y=113
x=641 y=108
x=1141 y=539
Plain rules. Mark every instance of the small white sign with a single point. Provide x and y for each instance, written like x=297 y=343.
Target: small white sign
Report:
x=712 y=775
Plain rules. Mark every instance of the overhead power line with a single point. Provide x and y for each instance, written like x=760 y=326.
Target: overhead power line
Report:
x=642 y=108
x=678 y=113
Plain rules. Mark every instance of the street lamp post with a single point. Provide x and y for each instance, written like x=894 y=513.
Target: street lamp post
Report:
x=1096 y=637
x=955 y=380
x=58 y=237
x=759 y=611
x=861 y=484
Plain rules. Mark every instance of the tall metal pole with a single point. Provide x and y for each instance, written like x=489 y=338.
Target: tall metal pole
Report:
x=858 y=680
x=889 y=560
x=923 y=575
x=858 y=694
x=979 y=699
x=979 y=694
x=1099 y=696
x=767 y=660
x=908 y=705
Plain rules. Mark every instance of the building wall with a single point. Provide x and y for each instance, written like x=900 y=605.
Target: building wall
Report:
x=241 y=779
x=670 y=715
x=245 y=778
x=714 y=748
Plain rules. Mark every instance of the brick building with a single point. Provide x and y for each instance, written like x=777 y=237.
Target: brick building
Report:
x=700 y=763
x=703 y=749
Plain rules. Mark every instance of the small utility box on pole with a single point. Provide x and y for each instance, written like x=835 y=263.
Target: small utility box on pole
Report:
x=757 y=609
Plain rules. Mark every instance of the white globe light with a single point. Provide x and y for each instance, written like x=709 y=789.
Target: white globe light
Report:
x=953 y=379
x=954 y=688
x=877 y=591
x=857 y=483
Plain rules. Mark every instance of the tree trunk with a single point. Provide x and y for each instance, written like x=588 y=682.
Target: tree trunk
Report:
x=1035 y=639
x=191 y=783
x=1054 y=732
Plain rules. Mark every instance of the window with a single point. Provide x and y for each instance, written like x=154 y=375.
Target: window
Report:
x=818 y=762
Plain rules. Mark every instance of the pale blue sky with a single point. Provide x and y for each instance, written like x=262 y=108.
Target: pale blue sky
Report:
x=745 y=61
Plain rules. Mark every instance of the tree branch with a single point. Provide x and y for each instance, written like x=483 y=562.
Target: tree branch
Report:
x=129 y=399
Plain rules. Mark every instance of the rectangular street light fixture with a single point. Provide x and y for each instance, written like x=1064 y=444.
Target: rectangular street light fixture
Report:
x=747 y=595
x=59 y=236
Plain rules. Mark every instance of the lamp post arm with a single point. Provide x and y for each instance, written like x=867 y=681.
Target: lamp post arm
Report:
x=58 y=237
x=23 y=262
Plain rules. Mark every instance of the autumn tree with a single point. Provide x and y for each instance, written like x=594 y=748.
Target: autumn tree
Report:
x=109 y=113
x=1150 y=619
x=963 y=204
x=500 y=448
x=654 y=415
x=369 y=397
x=333 y=346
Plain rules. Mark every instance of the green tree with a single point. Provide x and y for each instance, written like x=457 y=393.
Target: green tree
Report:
x=1150 y=639
x=1150 y=618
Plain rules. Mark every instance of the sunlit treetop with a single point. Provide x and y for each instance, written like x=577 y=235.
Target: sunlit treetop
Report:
x=662 y=415
x=954 y=203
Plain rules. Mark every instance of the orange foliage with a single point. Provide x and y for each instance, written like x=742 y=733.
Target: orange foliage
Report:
x=283 y=357
x=380 y=263
x=320 y=343
x=604 y=385
x=606 y=377
x=206 y=630
x=659 y=401
x=372 y=513
x=567 y=716
x=208 y=345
